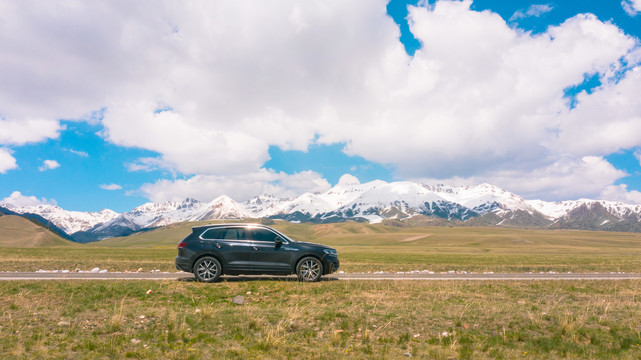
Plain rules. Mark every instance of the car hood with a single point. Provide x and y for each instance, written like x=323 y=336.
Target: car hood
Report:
x=318 y=246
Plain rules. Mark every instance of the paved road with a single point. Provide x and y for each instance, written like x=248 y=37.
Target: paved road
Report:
x=384 y=276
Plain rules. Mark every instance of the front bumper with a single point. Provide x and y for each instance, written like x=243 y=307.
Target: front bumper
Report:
x=331 y=264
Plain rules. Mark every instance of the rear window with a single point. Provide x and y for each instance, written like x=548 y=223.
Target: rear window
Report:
x=225 y=234
x=211 y=234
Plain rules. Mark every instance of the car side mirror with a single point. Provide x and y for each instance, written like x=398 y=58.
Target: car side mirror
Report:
x=278 y=241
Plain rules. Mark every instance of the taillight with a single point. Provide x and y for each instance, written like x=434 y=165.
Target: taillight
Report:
x=182 y=244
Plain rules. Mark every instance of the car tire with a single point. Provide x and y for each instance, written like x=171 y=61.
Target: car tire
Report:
x=309 y=269
x=207 y=269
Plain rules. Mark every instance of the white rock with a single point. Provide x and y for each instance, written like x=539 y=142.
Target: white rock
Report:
x=95 y=270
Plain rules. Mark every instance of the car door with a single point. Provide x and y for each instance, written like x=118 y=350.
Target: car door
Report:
x=270 y=255
x=235 y=246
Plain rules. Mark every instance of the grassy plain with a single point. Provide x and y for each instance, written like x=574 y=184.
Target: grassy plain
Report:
x=284 y=319
x=326 y=320
x=365 y=247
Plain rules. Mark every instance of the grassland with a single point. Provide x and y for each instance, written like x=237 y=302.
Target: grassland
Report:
x=364 y=247
x=335 y=319
x=16 y=231
x=326 y=320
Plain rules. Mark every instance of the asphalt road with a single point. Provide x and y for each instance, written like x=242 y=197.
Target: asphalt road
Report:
x=13 y=276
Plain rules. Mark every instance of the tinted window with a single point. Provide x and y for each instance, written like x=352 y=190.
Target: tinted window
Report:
x=226 y=234
x=263 y=235
x=236 y=234
x=214 y=234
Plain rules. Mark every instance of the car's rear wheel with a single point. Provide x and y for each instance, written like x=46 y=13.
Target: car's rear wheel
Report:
x=207 y=269
x=309 y=269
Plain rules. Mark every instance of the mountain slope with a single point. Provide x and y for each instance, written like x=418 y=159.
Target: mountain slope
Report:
x=16 y=231
x=69 y=221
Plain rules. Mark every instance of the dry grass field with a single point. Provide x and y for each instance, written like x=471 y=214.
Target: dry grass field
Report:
x=282 y=319
x=365 y=247
x=16 y=231
x=326 y=320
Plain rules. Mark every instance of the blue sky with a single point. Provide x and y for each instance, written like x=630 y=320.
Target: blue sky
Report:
x=114 y=106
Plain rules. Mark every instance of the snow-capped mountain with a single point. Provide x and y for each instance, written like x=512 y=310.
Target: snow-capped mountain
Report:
x=558 y=209
x=152 y=215
x=374 y=201
x=69 y=221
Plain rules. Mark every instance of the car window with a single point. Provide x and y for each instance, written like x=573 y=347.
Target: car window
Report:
x=236 y=234
x=212 y=234
x=263 y=235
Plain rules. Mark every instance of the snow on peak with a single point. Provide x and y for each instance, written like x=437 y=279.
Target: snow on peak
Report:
x=350 y=198
x=69 y=221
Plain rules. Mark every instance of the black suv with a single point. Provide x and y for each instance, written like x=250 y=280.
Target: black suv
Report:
x=212 y=250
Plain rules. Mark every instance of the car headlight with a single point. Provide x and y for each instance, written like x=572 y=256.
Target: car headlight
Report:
x=330 y=251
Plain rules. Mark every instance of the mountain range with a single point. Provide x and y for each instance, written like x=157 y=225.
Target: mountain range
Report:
x=397 y=203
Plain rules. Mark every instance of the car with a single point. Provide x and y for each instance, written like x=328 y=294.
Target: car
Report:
x=234 y=249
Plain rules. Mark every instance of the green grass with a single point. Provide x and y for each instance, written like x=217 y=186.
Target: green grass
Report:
x=334 y=319
x=326 y=320
x=86 y=258
x=364 y=247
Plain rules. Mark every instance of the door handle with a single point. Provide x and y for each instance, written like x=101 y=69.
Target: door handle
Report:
x=255 y=248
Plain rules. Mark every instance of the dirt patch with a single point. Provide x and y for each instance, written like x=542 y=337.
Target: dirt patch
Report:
x=414 y=238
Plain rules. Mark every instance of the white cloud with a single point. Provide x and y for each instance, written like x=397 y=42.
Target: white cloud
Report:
x=110 y=187
x=632 y=7
x=637 y=154
x=621 y=193
x=603 y=122
x=78 y=152
x=534 y=10
x=7 y=162
x=492 y=96
x=566 y=179
x=348 y=179
x=240 y=187
x=18 y=200
x=211 y=85
x=49 y=165
x=20 y=132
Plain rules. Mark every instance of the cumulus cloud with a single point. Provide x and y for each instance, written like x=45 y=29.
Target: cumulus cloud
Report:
x=49 y=165
x=7 y=162
x=348 y=179
x=632 y=7
x=110 y=187
x=18 y=200
x=565 y=179
x=211 y=85
x=238 y=187
x=493 y=95
x=622 y=194
x=20 y=132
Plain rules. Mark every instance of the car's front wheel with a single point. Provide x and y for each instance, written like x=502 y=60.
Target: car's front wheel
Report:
x=207 y=269
x=309 y=269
